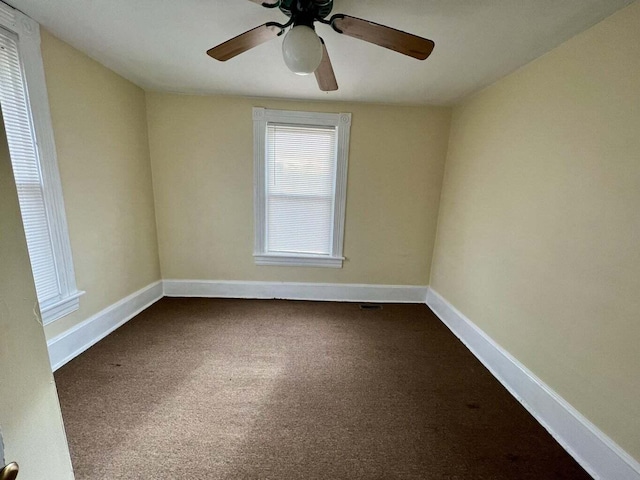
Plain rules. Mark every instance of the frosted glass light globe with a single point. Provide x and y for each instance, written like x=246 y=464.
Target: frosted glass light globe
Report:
x=302 y=50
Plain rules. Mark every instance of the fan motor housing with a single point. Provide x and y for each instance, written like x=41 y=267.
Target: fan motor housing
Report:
x=304 y=12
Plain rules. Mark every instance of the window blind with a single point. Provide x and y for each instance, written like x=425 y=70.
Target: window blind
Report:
x=300 y=172
x=26 y=169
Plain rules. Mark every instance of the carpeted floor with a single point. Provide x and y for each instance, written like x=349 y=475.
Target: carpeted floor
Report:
x=239 y=389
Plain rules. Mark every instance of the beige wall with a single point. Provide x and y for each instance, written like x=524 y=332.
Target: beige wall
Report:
x=202 y=157
x=30 y=421
x=100 y=130
x=539 y=229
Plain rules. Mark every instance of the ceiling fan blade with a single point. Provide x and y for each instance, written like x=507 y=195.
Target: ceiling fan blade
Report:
x=324 y=73
x=267 y=3
x=244 y=42
x=401 y=42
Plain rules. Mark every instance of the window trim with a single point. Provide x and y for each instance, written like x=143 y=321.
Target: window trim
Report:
x=28 y=33
x=342 y=122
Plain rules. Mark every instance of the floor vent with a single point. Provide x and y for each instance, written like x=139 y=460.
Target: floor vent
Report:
x=370 y=306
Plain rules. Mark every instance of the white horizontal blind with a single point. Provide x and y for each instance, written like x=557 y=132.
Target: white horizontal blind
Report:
x=300 y=172
x=26 y=169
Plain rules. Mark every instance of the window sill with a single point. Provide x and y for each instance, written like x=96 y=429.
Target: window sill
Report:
x=57 y=310
x=298 y=260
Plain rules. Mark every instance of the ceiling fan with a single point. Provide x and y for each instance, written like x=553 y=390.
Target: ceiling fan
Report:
x=304 y=52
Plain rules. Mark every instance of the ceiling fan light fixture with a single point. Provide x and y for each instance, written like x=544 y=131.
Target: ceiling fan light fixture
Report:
x=302 y=50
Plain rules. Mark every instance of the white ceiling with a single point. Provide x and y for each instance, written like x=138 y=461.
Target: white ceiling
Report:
x=161 y=44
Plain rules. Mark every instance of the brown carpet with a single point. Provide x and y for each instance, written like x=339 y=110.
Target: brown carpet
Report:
x=241 y=389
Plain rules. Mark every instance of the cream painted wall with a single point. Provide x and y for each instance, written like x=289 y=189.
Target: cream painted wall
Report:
x=539 y=230
x=30 y=419
x=100 y=129
x=202 y=160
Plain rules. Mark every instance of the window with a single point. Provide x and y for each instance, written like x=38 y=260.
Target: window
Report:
x=25 y=111
x=300 y=187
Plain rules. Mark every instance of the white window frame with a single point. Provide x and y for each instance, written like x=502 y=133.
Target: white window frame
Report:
x=28 y=32
x=342 y=123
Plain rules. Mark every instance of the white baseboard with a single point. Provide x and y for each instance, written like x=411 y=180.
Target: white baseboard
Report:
x=595 y=451
x=76 y=340
x=296 y=291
